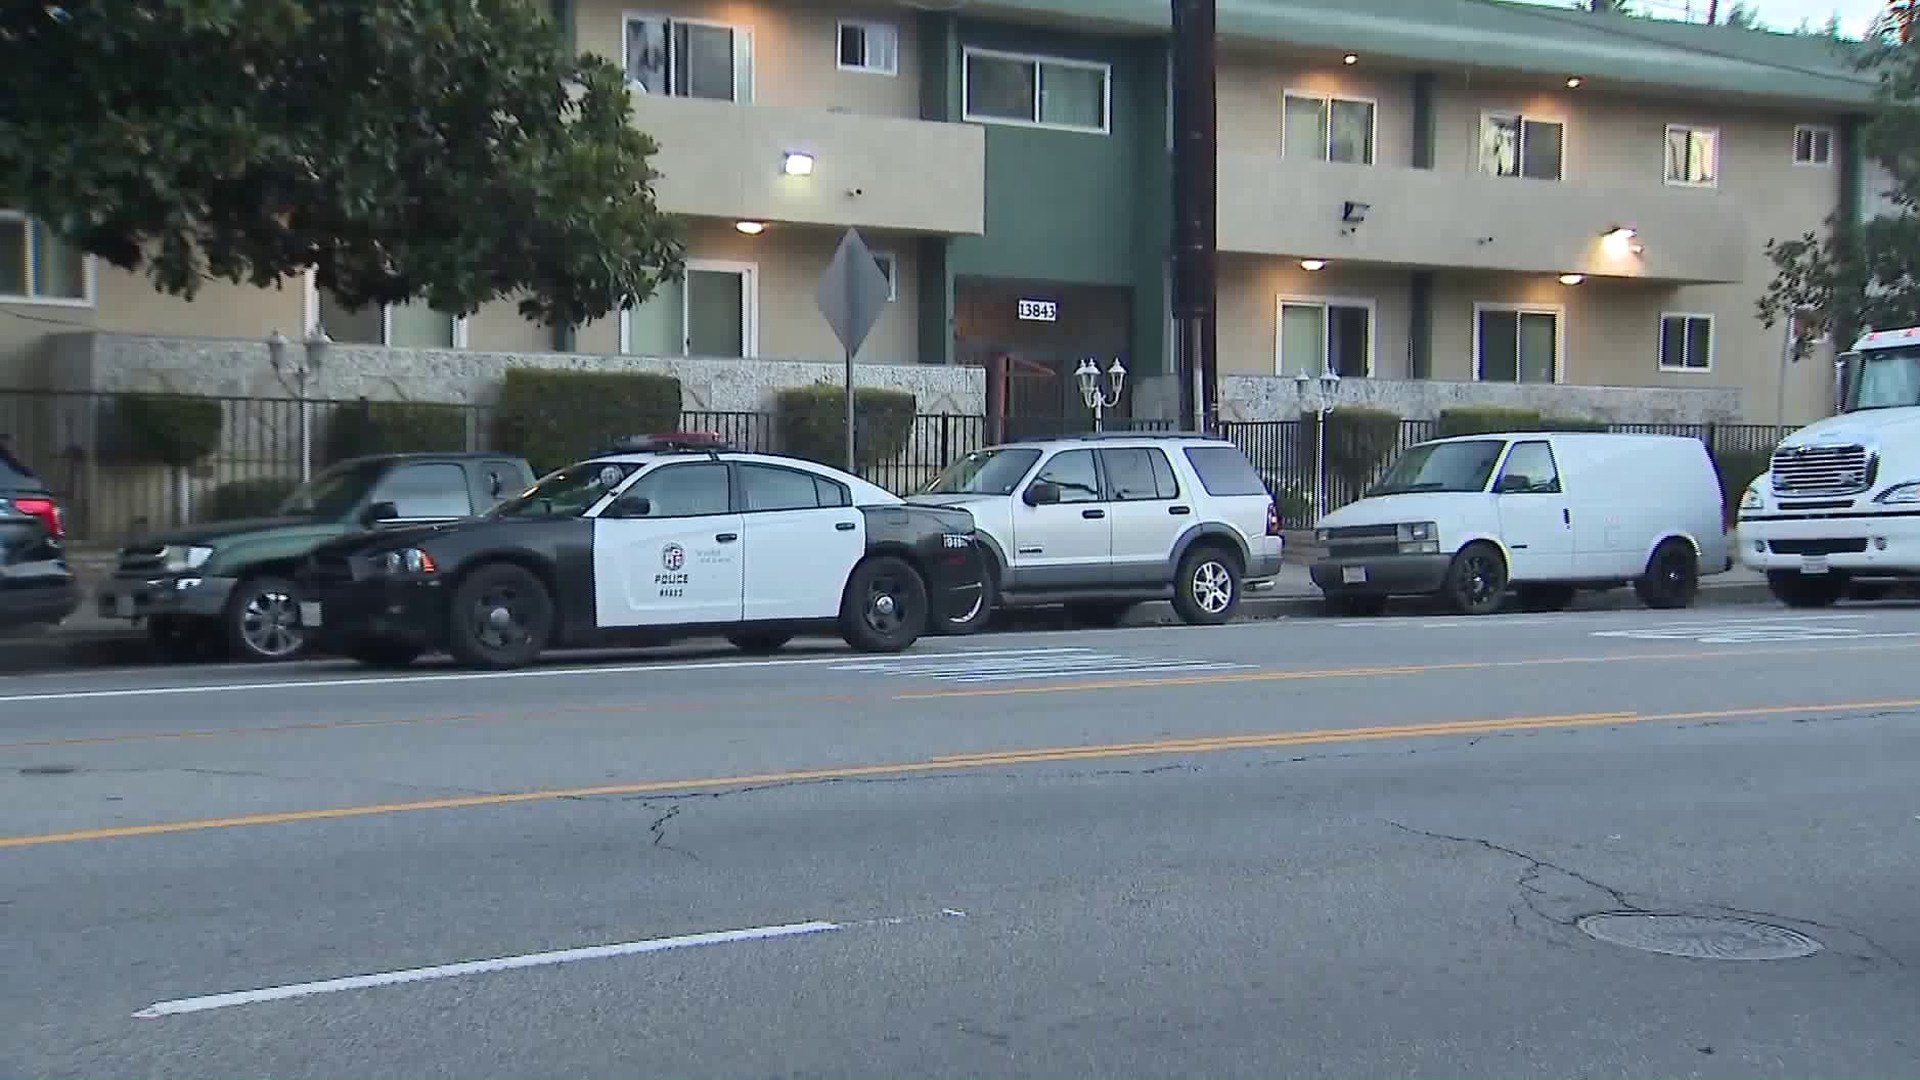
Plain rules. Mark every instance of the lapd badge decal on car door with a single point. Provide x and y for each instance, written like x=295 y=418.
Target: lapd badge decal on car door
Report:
x=673 y=582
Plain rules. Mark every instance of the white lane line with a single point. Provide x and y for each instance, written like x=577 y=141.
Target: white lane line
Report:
x=466 y=676
x=481 y=967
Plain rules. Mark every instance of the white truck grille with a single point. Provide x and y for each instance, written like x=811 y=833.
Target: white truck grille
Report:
x=1820 y=470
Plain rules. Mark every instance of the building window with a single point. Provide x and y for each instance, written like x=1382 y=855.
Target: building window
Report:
x=889 y=268
x=682 y=58
x=1693 y=156
x=1004 y=88
x=1686 y=342
x=1516 y=344
x=1324 y=335
x=38 y=267
x=1812 y=145
x=1327 y=129
x=869 y=47
x=1516 y=145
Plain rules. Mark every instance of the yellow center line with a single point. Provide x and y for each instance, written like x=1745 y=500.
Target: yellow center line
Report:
x=952 y=762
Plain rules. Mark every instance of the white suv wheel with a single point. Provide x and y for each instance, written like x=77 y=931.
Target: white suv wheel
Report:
x=1213 y=587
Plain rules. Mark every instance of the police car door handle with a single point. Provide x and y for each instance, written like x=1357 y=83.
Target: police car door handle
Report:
x=726 y=538
x=843 y=526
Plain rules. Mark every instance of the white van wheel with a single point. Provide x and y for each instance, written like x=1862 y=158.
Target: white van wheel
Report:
x=1672 y=578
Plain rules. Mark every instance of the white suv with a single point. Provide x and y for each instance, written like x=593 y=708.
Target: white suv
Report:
x=1103 y=522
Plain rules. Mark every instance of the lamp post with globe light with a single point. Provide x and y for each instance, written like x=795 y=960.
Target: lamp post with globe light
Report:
x=1097 y=399
x=1329 y=385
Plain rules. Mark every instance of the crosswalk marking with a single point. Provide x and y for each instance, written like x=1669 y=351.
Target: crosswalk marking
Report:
x=1042 y=663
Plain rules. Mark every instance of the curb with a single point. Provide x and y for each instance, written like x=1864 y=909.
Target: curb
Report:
x=53 y=652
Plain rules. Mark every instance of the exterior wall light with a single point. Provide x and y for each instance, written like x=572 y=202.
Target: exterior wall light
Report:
x=1573 y=82
x=1313 y=264
x=1350 y=59
x=795 y=163
x=1572 y=279
x=751 y=228
x=1619 y=241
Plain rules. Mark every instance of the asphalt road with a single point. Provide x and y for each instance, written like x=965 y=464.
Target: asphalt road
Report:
x=1305 y=847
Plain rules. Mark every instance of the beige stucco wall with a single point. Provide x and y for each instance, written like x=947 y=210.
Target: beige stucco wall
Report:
x=789 y=261
x=1249 y=296
x=795 y=50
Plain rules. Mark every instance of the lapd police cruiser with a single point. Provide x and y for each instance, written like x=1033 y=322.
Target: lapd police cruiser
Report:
x=661 y=538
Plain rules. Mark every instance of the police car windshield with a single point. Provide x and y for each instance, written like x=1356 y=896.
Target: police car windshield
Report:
x=1884 y=379
x=986 y=472
x=567 y=493
x=1448 y=466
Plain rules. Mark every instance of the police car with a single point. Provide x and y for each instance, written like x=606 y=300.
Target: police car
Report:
x=661 y=538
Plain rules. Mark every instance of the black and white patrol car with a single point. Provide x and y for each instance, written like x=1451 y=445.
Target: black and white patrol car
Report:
x=661 y=538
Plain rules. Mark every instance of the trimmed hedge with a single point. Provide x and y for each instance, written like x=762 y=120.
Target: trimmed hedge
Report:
x=245 y=499
x=813 y=423
x=1738 y=469
x=1293 y=504
x=555 y=418
x=1359 y=442
x=393 y=427
x=1483 y=420
x=1573 y=423
x=176 y=431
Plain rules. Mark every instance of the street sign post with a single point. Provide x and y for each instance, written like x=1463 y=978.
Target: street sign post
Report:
x=852 y=294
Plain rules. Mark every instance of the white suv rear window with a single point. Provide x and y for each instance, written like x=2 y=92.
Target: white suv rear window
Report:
x=1223 y=470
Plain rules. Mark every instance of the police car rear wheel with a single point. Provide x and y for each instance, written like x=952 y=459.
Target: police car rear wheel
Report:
x=502 y=616
x=885 y=606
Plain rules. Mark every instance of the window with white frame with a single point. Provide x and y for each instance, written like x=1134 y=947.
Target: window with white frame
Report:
x=1512 y=144
x=1812 y=145
x=889 y=269
x=1007 y=88
x=1319 y=335
x=1693 y=156
x=868 y=46
x=687 y=58
x=1686 y=342
x=1322 y=127
x=1516 y=344
x=38 y=267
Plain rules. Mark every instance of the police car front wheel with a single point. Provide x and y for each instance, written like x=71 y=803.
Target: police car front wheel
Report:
x=502 y=616
x=885 y=606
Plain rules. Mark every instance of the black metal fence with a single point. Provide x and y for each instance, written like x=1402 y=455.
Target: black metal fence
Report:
x=111 y=489
x=1284 y=453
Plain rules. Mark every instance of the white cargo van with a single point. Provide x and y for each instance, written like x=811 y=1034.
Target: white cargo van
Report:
x=1542 y=513
x=1838 y=510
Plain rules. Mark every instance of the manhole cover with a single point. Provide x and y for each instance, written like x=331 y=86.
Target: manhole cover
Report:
x=1699 y=936
x=47 y=770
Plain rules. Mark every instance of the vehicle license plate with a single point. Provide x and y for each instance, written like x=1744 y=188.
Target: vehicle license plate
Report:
x=1353 y=575
x=309 y=613
x=123 y=607
x=1813 y=564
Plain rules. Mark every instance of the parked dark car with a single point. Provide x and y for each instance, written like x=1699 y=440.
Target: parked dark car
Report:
x=37 y=588
x=226 y=586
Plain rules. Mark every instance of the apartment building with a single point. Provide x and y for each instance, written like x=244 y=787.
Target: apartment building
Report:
x=1447 y=198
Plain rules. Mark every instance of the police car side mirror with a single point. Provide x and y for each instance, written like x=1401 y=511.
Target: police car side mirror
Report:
x=1041 y=493
x=377 y=513
x=631 y=506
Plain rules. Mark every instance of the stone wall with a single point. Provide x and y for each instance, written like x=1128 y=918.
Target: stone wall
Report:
x=238 y=368
x=1268 y=397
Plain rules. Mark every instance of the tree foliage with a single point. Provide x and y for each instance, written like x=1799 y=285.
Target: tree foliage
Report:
x=1846 y=277
x=453 y=150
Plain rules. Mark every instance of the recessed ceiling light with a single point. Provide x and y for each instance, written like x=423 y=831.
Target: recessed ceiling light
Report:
x=751 y=228
x=1573 y=82
x=1572 y=279
x=796 y=163
x=1350 y=59
x=1313 y=264
x=1618 y=241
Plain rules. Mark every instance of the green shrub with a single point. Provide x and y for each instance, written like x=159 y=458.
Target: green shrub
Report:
x=555 y=418
x=1573 y=423
x=245 y=499
x=1738 y=469
x=165 y=429
x=1359 y=443
x=813 y=423
x=393 y=427
x=1483 y=420
x=1294 y=505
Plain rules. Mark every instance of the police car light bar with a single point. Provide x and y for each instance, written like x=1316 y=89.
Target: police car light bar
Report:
x=671 y=442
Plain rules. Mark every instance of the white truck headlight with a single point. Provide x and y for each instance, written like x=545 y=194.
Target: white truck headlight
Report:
x=1752 y=500
x=1908 y=492
x=179 y=558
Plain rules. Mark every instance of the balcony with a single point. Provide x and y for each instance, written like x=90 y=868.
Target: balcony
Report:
x=1423 y=217
x=724 y=160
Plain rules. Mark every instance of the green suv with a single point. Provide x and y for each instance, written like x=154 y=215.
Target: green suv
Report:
x=226 y=586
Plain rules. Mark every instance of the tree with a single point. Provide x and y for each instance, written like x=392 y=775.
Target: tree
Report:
x=454 y=150
x=1742 y=16
x=1854 y=276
